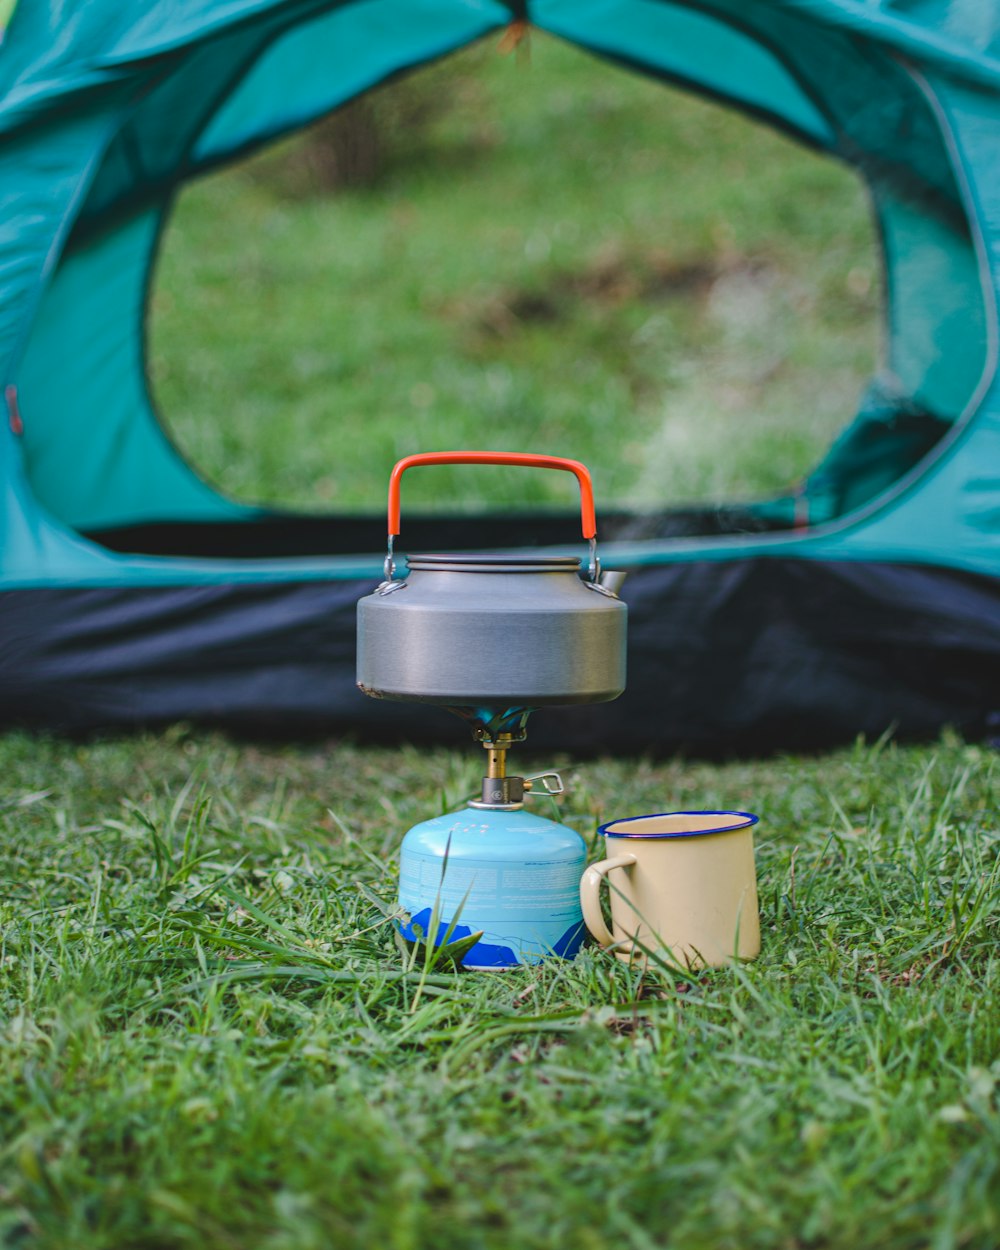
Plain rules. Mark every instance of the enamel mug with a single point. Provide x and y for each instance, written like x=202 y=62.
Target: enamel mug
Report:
x=681 y=883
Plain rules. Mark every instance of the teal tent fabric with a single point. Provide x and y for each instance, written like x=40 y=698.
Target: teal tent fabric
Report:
x=106 y=109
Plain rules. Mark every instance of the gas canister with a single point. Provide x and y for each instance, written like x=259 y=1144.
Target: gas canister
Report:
x=511 y=875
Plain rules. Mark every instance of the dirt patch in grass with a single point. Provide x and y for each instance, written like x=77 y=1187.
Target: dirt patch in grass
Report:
x=610 y=281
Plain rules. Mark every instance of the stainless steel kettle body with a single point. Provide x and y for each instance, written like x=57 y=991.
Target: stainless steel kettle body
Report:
x=486 y=630
x=493 y=630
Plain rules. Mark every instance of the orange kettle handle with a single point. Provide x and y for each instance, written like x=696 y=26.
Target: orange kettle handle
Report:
x=528 y=460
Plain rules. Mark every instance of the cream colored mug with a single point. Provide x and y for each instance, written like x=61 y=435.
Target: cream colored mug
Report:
x=682 y=884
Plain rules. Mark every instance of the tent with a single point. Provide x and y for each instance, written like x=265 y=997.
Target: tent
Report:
x=132 y=593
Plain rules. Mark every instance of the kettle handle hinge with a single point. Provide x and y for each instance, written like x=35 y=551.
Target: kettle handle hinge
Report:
x=594 y=570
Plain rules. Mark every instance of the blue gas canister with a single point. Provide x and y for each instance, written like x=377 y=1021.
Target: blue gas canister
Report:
x=504 y=872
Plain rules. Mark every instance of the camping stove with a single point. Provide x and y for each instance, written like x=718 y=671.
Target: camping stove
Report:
x=492 y=637
x=497 y=884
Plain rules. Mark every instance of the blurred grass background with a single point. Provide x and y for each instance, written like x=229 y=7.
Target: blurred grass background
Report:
x=541 y=253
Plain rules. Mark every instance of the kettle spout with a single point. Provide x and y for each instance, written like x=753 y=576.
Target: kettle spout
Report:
x=612 y=579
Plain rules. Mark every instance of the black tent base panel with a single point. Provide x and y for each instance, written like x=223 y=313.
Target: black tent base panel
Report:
x=743 y=657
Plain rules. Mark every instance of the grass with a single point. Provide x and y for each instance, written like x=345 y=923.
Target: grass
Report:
x=209 y=1036
x=565 y=258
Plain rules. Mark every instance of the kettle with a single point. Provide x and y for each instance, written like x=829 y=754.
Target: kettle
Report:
x=493 y=631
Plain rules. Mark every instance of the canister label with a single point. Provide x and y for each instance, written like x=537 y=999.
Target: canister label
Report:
x=526 y=909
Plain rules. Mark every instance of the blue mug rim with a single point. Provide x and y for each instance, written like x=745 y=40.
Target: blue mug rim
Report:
x=746 y=820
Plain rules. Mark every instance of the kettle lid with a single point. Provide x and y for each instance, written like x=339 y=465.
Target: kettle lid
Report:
x=493 y=562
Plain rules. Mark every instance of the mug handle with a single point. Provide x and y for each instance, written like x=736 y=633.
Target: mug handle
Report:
x=590 y=898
